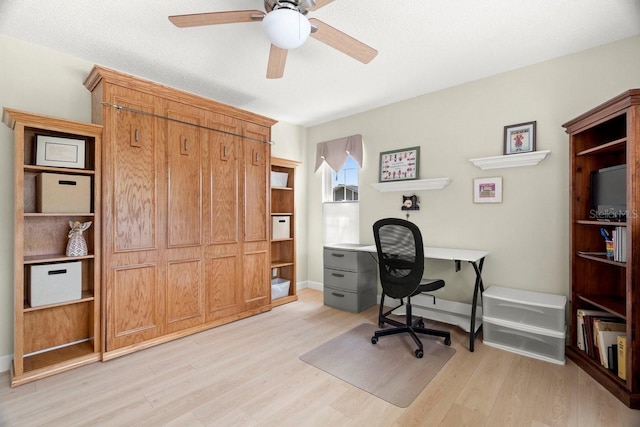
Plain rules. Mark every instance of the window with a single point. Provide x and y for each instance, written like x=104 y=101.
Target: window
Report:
x=340 y=212
x=344 y=183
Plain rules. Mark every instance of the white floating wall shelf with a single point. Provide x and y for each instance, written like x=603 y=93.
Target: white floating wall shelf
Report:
x=510 y=161
x=413 y=185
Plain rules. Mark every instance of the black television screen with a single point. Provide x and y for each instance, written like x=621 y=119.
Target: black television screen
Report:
x=609 y=193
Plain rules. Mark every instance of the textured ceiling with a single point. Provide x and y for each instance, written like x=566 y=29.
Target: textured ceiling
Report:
x=423 y=45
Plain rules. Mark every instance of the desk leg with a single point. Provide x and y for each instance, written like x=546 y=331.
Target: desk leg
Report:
x=478 y=287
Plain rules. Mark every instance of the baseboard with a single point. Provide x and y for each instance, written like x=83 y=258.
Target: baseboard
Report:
x=441 y=310
x=318 y=286
x=5 y=362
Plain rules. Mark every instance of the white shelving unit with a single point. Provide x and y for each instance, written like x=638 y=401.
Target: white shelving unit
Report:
x=511 y=160
x=413 y=185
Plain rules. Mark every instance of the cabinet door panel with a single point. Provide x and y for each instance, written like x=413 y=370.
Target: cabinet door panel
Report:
x=256 y=171
x=184 y=176
x=184 y=297
x=133 y=312
x=255 y=269
x=222 y=279
x=224 y=153
x=131 y=174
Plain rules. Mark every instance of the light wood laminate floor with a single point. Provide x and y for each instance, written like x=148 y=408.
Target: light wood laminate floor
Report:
x=247 y=373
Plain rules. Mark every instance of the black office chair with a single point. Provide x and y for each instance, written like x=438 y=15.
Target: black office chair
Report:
x=401 y=265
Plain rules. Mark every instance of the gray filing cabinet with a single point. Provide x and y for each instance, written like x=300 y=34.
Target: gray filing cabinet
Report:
x=350 y=278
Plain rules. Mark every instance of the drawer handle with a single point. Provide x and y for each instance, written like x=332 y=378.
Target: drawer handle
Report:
x=282 y=221
x=337 y=255
x=337 y=275
x=337 y=295
x=64 y=182
x=52 y=272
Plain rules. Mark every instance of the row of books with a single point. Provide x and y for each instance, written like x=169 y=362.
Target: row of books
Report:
x=603 y=337
x=619 y=237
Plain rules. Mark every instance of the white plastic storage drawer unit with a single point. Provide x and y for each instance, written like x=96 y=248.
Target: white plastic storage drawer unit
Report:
x=540 y=310
x=525 y=322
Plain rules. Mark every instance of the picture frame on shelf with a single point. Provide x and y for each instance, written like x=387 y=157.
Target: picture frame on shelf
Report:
x=400 y=165
x=520 y=138
x=60 y=152
x=487 y=190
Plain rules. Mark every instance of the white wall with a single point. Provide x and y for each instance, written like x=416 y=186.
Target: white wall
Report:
x=527 y=235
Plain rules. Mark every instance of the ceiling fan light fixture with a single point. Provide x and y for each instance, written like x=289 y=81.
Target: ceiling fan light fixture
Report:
x=286 y=28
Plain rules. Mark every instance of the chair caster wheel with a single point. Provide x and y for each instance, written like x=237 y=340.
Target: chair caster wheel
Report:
x=419 y=353
x=447 y=341
x=421 y=324
x=374 y=339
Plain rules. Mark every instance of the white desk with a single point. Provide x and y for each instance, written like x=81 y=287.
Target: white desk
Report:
x=473 y=257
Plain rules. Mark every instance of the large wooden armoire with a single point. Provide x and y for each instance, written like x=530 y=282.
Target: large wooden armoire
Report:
x=185 y=211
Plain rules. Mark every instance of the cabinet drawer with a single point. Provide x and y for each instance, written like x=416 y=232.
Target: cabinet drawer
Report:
x=542 y=344
x=342 y=260
x=354 y=302
x=529 y=308
x=341 y=279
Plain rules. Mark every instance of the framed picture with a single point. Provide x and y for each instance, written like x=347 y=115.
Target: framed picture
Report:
x=487 y=190
x=400 y=165
x=520 y=138
x=59 y=152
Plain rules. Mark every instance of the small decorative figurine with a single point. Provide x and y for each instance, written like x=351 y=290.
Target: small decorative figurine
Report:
x=410 y=203
x=77 y=246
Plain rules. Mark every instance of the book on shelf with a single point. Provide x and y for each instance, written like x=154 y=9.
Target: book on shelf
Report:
x=622 y=356
x=612 y=356
x=591 y=335
x=619 y=236
x=580 y=332
x=606 y=333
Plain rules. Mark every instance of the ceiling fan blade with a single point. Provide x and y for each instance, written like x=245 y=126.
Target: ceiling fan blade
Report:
x=342 y=42
x=277 y=59
x=215 y=18
x=319 y=4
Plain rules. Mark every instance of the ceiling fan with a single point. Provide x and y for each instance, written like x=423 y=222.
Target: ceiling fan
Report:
x=287 y=27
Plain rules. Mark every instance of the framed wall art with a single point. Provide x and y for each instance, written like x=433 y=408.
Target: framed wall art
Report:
x=487 y=190
x=59 y=152
x=520 y=138
x=400 y=165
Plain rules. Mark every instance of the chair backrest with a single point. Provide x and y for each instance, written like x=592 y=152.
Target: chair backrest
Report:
x=400 y=256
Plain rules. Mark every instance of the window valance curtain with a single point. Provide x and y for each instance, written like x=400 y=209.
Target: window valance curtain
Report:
x=336 y=152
